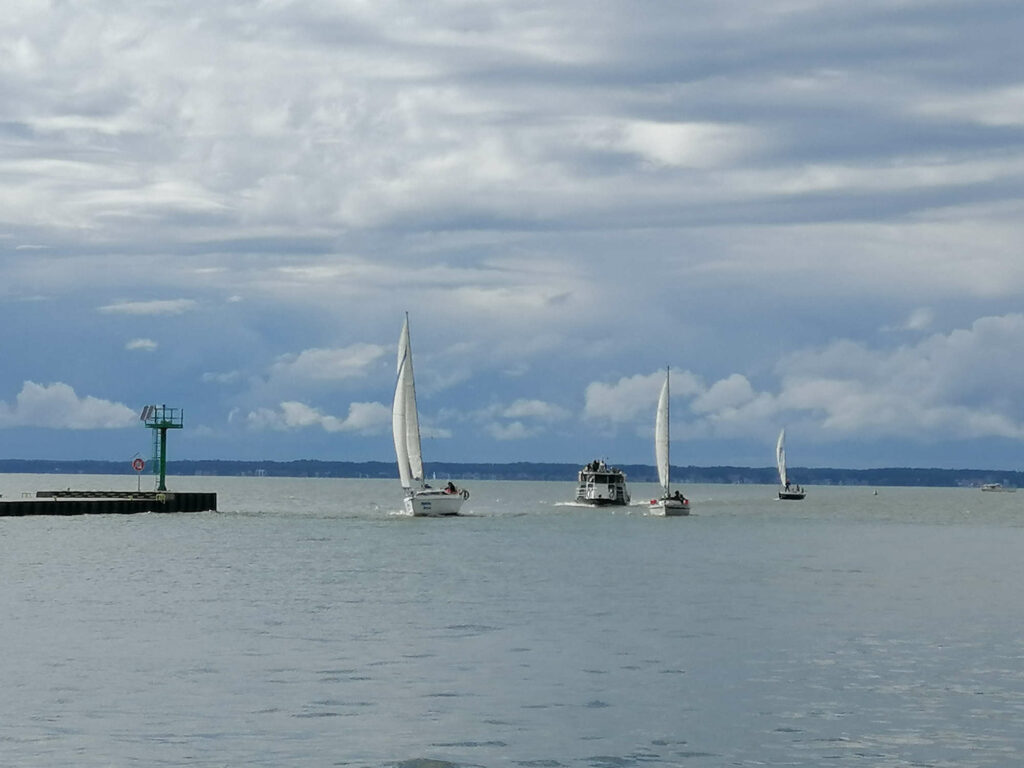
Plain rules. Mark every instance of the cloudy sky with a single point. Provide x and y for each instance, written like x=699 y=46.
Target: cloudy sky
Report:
x=810 y=209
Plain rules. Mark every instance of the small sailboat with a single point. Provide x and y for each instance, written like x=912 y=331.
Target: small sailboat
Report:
x=420 y=499
x=669 y=505
x=787 y=491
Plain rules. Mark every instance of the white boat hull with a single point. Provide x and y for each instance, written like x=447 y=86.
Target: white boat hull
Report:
x=601 y=498
x=432 y=503
x=669 y=507
x=791 y=495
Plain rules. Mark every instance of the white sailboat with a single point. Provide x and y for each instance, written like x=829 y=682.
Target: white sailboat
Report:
x=787 y=491
x=669 y=505
x=420 y=499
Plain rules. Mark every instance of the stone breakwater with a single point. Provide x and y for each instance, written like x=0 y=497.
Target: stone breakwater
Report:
x=71 y=502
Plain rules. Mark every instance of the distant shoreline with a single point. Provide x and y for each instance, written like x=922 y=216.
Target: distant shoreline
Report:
x=561 y=472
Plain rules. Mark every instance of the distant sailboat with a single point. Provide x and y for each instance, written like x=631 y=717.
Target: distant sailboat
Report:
x=420 y=499
x=787 y=490
x=669 y=505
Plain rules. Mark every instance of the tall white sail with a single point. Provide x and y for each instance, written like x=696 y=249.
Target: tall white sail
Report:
x=405 y=425
x=420 y=499
x=780 y=456
x=398 y=418
x=661 y=437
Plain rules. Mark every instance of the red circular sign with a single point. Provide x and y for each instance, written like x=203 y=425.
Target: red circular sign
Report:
x=138 y=465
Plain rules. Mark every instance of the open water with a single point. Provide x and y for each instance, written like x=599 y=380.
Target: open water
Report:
x=307 y=624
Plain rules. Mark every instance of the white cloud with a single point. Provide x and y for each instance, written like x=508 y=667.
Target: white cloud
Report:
x=329 y=364
x=961 y=384
x=964 y=384
x=228 y=377
x=290 y=415
x=622 y=401
x=432 y=432
x=367 y=418
x=514 y=430
x=363 y=418
x=686 y=145
x=535 y=409
x=919 y=320
x=56 y=406
x=729 y=393
x=634 y=396
x=164 y=307
x=518 y=299
x=146 y=345
x=520 y=420
x=553 y=189
x=992 y=107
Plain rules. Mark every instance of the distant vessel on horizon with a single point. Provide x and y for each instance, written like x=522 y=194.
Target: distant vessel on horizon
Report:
x=997 y=488
x=788 y=491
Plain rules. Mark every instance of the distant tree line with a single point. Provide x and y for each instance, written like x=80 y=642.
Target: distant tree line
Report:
x=806 y=476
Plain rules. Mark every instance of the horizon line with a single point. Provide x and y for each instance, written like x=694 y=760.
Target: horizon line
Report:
x=515 y=463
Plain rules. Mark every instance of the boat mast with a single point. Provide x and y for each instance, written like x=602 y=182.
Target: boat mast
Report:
x=398 y=412
x=778 y=456
x=668 y=431
x=413 y=446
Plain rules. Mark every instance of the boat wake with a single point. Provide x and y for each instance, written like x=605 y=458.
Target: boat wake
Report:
x=612 y=507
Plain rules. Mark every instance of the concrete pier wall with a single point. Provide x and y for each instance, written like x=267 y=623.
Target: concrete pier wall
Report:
x=107 y=503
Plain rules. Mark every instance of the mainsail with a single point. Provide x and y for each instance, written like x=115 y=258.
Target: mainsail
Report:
x=405 y=425
x=661 y=437
x=780 y=457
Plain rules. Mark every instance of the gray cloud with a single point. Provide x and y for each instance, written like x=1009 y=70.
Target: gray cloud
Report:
x=157 y=307
x=573 y=192
x=146 y=345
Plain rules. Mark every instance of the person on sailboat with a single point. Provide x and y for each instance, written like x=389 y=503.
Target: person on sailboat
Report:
x=450 y=488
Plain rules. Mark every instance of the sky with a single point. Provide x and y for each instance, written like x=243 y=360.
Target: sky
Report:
x=810 y=211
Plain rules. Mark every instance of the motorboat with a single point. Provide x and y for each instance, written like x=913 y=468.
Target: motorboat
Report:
x=997 y=488
x=601 y=485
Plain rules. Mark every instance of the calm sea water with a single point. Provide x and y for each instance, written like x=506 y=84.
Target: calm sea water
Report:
x=307 y=624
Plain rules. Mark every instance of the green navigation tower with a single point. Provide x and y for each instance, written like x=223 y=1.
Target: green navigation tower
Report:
x=160 y=418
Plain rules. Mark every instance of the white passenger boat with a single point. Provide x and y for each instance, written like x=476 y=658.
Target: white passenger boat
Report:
x=601 y=485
